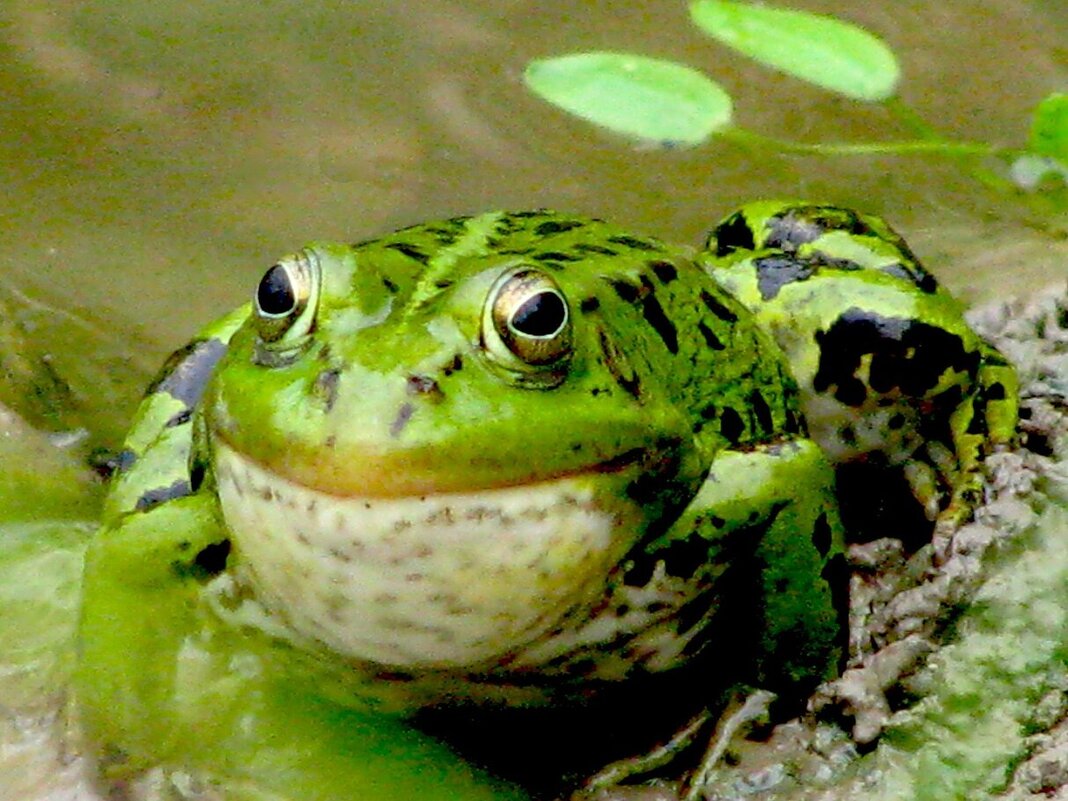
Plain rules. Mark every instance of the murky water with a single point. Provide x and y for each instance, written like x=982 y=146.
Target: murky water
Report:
x=156 y=157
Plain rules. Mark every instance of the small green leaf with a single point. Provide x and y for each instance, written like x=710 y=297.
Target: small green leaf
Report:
x=1049 y=127
x=819 y=49
x=640 y=97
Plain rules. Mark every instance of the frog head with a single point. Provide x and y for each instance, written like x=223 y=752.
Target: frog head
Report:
x=431 y=454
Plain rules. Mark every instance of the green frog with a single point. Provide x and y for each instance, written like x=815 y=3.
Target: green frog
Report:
x=518 y=458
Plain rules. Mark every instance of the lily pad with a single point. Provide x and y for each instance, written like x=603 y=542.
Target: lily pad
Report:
x=640 y=97
x=822 y=50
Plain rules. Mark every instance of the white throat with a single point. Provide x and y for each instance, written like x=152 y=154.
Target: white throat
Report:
x=449 y=580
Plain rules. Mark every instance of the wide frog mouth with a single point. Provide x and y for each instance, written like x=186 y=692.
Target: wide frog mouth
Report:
x=437 y=580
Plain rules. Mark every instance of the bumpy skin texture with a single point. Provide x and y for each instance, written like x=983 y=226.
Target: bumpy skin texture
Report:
x=518 y=456
x=884 y=358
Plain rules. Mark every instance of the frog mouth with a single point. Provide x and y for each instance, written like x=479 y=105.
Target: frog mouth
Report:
x=438 y=580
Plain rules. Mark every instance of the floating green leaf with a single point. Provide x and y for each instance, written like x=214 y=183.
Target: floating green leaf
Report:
x=637 y=96
x=1049 y=127
x=819 y=49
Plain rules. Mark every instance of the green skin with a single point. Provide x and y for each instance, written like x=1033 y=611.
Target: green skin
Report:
x=513 y=458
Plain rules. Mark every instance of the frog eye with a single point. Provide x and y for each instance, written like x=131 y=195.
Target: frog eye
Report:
x=275 y=296
x=527 y=321
x=284 y=304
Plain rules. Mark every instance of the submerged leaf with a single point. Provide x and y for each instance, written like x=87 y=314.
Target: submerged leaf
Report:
x=819 y=49
x=637 y=96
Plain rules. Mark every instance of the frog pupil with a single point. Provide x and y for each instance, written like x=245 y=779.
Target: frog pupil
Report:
x=275 y=293
x=540 y=315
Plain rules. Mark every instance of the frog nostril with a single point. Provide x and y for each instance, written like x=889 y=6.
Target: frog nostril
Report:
x=423 y=385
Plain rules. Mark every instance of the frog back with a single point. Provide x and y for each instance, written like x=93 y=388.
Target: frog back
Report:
x=883 y=355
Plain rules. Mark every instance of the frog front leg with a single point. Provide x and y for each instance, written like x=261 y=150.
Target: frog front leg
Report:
x=141 y=584
x=761 y=545
x=764 y=541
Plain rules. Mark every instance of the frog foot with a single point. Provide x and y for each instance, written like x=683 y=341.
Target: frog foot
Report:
x=922 y=479
x=743 y=710
x=983 y=424
x=616 y=773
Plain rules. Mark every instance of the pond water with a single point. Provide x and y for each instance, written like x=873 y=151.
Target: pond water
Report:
x=156 y=157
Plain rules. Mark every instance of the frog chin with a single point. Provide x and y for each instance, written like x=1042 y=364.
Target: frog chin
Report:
x=457 y=579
